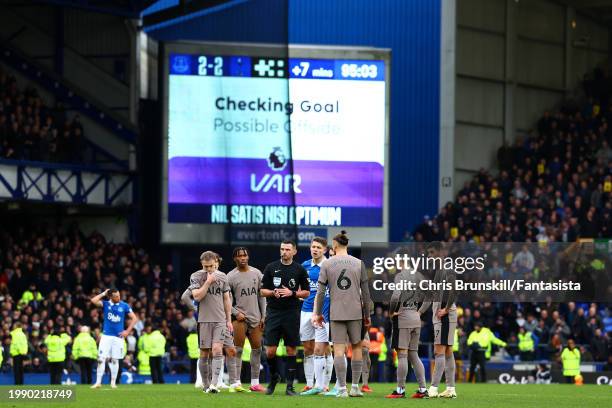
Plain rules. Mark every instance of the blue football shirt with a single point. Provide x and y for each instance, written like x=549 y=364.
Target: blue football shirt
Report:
x=313 y=278
x=114 y=317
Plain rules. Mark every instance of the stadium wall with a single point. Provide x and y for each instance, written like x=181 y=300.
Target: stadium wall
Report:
x=411 y=29
x=514 y=61
x=94 y=52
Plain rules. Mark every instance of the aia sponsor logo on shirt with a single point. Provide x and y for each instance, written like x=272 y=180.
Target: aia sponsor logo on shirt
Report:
x=248 y=292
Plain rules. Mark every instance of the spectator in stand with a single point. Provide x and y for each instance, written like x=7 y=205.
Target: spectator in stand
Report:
x=600 y=345
x=29 y=130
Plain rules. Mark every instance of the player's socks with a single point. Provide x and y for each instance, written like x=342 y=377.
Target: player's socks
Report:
x=402 y=369
x=255 y=364
x=100 y=371
x=274 y=377
x=114 y=369
x=199 y=383
x=419 y=370
x=238 y=361
x=449 y=371
x=329 y=368
x=367 y=364
x=401 y=390
x=273 y=365
x=291 y=370
x=204 y=368
x=356 y=367
x=217 y=366
x=209 y=379
x=340 y=366
x=220 y=383
x=309 y=370
x=232 y=370
x=319 y=371
x=438 y=370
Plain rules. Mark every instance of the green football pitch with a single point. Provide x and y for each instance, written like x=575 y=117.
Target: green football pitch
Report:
x=469 y=395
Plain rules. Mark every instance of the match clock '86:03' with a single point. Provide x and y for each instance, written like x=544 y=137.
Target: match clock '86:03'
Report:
x=351 y=70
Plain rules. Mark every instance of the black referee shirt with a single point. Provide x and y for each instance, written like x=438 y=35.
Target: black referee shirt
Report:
x=293 y=276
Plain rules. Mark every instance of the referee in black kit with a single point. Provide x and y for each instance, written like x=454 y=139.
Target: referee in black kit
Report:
x=284 y=283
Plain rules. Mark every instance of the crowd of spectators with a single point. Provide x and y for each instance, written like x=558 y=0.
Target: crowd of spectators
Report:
x=60 y=273
x=553 y=185
x=31 y=130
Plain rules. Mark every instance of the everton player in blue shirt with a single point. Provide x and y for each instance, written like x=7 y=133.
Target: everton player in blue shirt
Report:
x=318 y=362
x=110 y=349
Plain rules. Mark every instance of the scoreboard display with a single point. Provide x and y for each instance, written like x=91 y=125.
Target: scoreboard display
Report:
x=266 y=140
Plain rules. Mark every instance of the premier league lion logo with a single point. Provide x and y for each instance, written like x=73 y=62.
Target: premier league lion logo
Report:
x=277 y=160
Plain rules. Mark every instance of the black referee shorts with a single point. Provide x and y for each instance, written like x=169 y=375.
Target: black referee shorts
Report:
x=282 y=324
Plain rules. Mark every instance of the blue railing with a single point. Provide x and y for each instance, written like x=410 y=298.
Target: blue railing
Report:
x=65 y=183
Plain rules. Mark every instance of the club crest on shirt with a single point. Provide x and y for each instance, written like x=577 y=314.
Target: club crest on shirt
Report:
x=277 y=281
x=292 y=283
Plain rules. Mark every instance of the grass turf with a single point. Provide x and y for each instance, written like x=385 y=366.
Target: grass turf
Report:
x=469 y=395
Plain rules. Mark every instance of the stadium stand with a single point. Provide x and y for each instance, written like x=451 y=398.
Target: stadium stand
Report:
x=31 y=130
x=47 y=279
x=554 y=185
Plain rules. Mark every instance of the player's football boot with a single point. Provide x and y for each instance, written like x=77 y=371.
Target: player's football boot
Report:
x=96 y=386
x=419 y=394
x=257 y=388
x=222 y=386
x=237 y=388
x=312 y=391
x=290 y=391
x=198 y=384
x=272 y=386
x=366 y=388
x=332 y=393
x=448 y=394
x=113 y=385
x=306 y=388
x=396 y=394
x=342 y=393
x=212 y=389
x=355 y=391
x=432 y=392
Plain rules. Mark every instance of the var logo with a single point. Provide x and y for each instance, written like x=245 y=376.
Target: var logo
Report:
x=276 y=182
x=282 y=184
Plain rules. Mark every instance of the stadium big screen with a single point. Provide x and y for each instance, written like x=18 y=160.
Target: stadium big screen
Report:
x=269 y=136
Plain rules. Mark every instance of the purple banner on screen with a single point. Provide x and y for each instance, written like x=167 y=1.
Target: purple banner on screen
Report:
x=258 y=181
